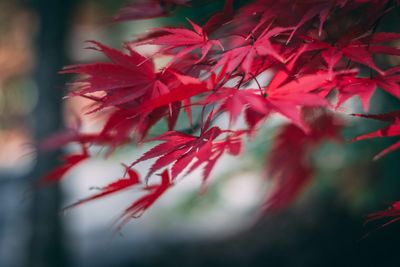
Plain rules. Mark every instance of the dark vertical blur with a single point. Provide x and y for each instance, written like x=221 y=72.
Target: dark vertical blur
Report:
x=46 y=242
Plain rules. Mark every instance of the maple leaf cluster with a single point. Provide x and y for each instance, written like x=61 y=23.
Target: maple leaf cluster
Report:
x=316 y=51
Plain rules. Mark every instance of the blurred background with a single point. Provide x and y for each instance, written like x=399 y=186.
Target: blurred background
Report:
x=222 y=228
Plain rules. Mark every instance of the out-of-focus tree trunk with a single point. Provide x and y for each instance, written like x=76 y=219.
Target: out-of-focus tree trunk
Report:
x=46 y=241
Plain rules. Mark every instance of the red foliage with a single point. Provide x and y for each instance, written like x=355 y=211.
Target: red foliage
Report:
x=392 y=130
x=69 y=161
x=121 y=184
x=311 y=48
x=153 y=193
x=392 y=213
x=288 y=161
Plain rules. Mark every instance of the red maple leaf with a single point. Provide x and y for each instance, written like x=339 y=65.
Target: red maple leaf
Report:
x=172 y=39
x=69 y=162
x=153 y=193
x=392 y=130
x=245 y=54
x=234 y=101
x=117 y=186
x=287 y=97
x=179 y=150
x=127 y=80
